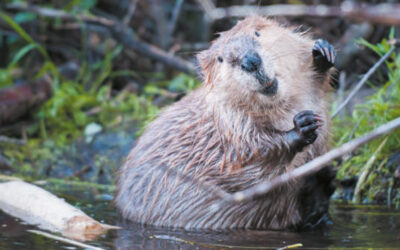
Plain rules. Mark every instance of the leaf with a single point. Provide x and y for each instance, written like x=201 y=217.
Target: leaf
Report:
x=21 y=53
x=17 y=28
x=29 y=39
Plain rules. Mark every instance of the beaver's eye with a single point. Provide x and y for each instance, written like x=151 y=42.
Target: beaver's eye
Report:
x=257 y=33
x=220 y=59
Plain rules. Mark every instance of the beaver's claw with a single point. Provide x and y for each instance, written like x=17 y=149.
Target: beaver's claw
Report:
x=324 y=55
x=304 y=133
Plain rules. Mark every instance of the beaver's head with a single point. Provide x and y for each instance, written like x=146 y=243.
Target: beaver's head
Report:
x=240 y=64
x=258 y=61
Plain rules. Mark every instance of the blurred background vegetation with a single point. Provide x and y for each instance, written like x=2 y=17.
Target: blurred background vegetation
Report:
x=80 y=79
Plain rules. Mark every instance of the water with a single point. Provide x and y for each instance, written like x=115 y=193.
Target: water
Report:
x=354 y=227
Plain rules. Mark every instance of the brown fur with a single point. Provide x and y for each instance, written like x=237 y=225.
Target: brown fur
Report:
x=228 y=135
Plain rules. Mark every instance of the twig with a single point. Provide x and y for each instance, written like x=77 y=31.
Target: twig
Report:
x=366 y=169
x=362 y=82
x=131 y=11
x=379 y=13
x=313 y=165
x=304 y=170
x=65 y=240
x=151 y=51
x=174 y=19
x=119 y=32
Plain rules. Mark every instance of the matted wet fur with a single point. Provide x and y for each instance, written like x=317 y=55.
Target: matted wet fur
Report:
x=232 y=133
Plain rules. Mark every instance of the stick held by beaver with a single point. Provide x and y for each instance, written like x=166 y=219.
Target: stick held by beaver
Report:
x=262 y=111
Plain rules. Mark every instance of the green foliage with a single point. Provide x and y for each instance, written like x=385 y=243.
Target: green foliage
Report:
x=65 y=115
x=89 y=98
x=380 y=108
x=6 y=75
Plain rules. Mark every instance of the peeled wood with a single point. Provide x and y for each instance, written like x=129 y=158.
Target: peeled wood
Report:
x=302 y=171
x=313 y=165
x=36 y=206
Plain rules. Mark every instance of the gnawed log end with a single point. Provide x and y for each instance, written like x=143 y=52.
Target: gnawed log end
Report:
x=36 y=206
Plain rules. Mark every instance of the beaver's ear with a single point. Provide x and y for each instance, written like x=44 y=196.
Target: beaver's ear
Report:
x=207 y=63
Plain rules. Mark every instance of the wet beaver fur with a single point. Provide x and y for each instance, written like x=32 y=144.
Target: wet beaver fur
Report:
x=262 y=111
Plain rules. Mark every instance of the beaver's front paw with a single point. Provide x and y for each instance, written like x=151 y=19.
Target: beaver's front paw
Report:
x=305 y=129
x=324 y=55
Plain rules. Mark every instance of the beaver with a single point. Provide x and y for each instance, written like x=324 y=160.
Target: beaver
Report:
x=262 y=111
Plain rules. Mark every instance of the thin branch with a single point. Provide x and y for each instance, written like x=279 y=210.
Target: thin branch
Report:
x=151 y=51
x=131 y=11
x=378 y=13
x=304 y=170
x=362 y=82
x=174 y=19
x=314 y=165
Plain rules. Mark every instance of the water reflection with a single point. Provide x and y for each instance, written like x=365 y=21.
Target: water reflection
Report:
x=354 y=226
x=153 y=238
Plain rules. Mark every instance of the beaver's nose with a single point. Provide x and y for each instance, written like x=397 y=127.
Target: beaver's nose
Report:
x=251 y=62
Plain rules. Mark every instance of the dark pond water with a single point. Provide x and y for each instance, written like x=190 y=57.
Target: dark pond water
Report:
x=358 y=227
